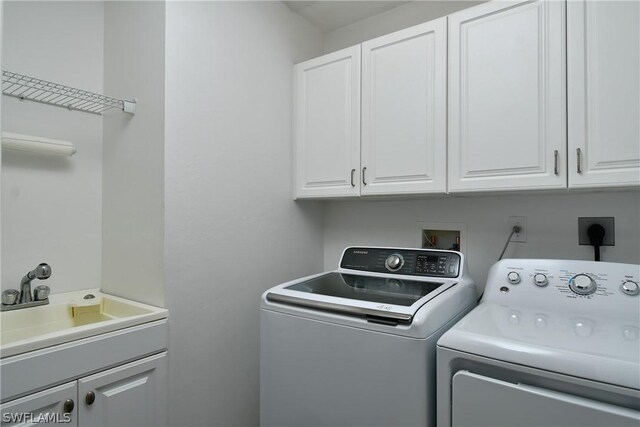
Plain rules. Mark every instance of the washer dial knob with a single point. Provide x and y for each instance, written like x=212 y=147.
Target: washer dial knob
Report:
x=513 y=277
x=540 y=279
x=582 y=284
x=630 y=288
x=394 y=262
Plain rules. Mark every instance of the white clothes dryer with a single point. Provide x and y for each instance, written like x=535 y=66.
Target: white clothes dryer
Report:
x=356 y=346
x=552 y=343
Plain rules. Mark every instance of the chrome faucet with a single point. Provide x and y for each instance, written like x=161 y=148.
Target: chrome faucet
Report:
x=13 y=299
x=42 y=272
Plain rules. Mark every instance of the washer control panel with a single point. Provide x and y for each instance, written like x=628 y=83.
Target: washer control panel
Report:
x=411 y=262
x=557 y=282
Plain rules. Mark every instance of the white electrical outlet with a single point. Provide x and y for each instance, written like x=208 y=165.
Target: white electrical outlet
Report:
x=520 y=221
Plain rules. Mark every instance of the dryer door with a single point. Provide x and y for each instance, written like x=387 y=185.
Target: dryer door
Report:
x=484 y=401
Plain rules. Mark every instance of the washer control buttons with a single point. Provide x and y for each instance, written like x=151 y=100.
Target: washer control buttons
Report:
x=582 y=284
x=540 y=279
x=394 y=262
x=630 y=288
x=513 y=277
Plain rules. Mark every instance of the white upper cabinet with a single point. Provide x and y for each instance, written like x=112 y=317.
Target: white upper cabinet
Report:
x=404 y=111
x=503 y=96
x=327 y=125
x=603 y=48
x=507 y=120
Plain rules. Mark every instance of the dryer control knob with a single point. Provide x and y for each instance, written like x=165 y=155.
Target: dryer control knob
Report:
x=630 y=288
x=394 y=262
x=540 y=279
x=513 y=277
x=582 y=284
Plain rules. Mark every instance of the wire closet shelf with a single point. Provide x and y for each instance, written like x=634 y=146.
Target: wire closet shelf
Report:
x=33 y=89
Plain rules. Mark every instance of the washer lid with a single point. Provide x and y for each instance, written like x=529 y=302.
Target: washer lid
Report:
x=594 y=348
x=392 y=298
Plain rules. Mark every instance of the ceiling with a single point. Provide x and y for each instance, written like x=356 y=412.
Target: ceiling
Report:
x=331 y=15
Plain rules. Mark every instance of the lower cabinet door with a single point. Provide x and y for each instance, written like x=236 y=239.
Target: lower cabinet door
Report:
x=129 y=395
x=484 y=401
x=54 y=406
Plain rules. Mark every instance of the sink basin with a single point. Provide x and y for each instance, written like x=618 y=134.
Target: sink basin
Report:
x=69 y=317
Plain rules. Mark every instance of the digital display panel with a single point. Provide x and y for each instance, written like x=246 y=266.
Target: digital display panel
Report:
x=431 y=264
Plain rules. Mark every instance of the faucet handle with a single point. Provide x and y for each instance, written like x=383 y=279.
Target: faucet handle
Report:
x=10 y=296
x=41 y=292
x=42 y=271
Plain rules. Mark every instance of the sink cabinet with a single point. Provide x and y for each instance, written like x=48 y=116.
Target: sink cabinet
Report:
x=48 y=404
x=125 y=370
x=129 y=395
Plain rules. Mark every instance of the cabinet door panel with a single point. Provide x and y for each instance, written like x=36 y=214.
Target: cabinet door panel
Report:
x=507 y=97
x=130 y=395
x=328 y=125
x=404 y=111
x=42 y=408
x=604 y=92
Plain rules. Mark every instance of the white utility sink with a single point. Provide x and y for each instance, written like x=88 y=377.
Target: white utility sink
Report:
x=59 y=322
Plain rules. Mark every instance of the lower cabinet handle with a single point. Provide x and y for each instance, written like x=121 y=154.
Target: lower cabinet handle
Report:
x=364 y=181
x=579 y=164
x=353 y=172
x=68 y=406
x=90 y=398
x=555 y=162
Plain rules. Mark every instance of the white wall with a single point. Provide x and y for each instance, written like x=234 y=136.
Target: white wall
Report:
x=232 y=228
x=133 y=166
x=395 y=19
x=51 y=206
x=552 y=225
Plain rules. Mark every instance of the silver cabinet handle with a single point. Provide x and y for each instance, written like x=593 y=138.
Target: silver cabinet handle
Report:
x=363 y=176
x=353 y=171
x=579 y=154
x=555 y=162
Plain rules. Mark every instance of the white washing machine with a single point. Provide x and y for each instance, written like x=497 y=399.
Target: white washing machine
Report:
x=356 y=346
x=552 y=343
